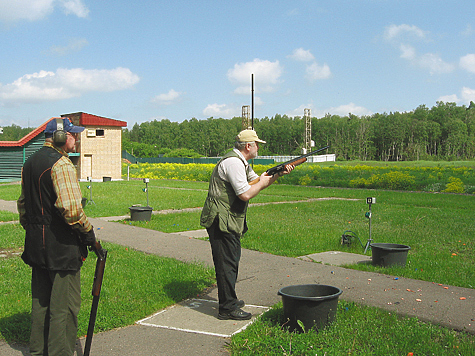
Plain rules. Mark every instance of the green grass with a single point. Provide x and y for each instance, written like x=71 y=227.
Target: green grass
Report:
x=8 y=216
x=439 y=229
x=357 y=330
x=135 y=286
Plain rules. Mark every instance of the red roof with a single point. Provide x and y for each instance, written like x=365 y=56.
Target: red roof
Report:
x=94 y=120
x=84 y=120
x=26 y=138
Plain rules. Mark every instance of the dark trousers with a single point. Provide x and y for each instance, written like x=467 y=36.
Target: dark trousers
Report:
x=56 y=299
x=226 y=249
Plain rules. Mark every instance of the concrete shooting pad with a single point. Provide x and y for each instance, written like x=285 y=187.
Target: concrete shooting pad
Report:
x=337 y=258
x=200 y=316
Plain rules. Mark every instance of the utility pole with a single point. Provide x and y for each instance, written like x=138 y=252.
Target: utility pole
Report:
x=252 y=101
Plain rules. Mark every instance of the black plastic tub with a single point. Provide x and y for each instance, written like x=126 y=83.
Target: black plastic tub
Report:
x=388 y=255
x=140 y=213
x=314 y=305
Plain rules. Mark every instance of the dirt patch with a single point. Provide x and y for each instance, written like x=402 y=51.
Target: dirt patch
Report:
x=9 y=253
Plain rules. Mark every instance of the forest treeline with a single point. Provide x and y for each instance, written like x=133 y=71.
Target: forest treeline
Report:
x=444 y=132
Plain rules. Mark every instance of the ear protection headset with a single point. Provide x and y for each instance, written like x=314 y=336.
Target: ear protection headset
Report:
x=59 y=136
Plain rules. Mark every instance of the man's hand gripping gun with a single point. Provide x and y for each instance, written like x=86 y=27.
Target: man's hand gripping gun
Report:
x=294 y=162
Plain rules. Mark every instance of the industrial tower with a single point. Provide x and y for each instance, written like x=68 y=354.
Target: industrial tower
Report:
x=246 y=124
x=308 y=132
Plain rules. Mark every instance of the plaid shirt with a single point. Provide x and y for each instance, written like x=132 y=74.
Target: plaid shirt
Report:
x=68 y=191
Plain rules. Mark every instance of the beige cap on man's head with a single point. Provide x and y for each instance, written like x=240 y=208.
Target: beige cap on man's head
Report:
x=248 y=136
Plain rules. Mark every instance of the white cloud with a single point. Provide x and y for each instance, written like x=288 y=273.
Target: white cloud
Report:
x=449 y=98
x=315 y=71
x=434 y=63
x=300 y=110
x=33 y=10
x=302 y=55
x=167 y=98
x=64 y=84
x=404 y=31
x=266 y=76
x=221 y=110
x=75 y=7
x=468 y=63
x=401 y=35
x=407 y=51
x=74 y=45
x=468 y=31
x=466 y=95
x=342 y=110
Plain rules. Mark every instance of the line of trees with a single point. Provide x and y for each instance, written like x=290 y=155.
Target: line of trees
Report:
x=14 y=132
x=444 y=132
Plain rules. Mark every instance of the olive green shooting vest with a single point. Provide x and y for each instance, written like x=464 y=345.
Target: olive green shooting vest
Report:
x=223 y=203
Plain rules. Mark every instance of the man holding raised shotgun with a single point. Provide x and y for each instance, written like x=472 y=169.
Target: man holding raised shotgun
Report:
x=224 y=216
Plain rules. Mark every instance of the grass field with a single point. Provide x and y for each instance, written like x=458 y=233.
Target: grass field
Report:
x=438 y=227
x=135 y=285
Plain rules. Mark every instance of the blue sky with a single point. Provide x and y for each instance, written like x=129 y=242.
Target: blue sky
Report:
x=146 y=60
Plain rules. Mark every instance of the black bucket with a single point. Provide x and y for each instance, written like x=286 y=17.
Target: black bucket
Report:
x=387 y=255
x=314 y=305
x=140 y=213
x=83 y=202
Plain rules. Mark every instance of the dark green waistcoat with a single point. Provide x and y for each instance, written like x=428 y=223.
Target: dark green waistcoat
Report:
x=49 y=241
x=223 y=203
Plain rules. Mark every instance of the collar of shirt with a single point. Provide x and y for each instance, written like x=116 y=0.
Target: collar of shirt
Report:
x=246 y=163
x=59 y=149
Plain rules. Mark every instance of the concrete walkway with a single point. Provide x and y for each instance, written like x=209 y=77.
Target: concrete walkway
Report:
x=189 y=328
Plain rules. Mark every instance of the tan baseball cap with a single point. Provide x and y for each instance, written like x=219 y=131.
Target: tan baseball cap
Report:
x=248 y=136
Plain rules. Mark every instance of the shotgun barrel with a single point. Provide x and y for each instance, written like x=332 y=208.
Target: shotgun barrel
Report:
x=96 y=292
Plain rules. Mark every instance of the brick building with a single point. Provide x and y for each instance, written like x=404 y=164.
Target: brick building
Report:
x=98 y=153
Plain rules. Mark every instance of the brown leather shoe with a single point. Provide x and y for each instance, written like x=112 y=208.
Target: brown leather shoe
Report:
x=236 y=314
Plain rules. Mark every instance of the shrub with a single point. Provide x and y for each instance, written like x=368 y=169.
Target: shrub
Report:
x=455 y=185
x=305 y=180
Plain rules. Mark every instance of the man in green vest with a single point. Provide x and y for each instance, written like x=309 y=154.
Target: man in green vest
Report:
x=233 y=183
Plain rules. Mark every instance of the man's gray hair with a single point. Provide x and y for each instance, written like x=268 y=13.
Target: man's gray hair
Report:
x=240 y=145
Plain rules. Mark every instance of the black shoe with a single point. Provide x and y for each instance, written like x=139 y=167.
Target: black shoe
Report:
x=240 y=303
x=236 y=314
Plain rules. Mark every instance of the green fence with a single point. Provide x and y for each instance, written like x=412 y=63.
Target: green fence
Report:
x=184 y=160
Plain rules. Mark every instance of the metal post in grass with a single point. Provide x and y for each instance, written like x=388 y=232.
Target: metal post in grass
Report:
x=146 y=180
x=369 y=201
x=89 y=179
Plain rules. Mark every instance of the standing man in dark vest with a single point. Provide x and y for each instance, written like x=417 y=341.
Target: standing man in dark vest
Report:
x=224 y=216
x=57 y=235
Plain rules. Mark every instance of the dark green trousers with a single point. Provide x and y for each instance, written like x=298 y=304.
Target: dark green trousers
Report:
x=56 y=300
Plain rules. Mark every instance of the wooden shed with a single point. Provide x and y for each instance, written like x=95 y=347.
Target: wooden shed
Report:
x=14 y=153
x=98 y=153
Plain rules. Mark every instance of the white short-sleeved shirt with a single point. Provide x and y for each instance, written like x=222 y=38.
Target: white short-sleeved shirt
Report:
x=233 y=171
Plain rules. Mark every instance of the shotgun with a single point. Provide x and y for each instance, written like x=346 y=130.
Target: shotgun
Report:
x=96 y=292
x=295 y=162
